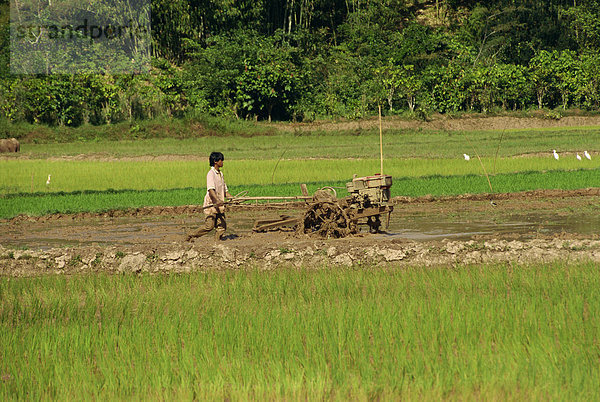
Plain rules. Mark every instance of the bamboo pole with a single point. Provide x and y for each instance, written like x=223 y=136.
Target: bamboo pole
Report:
x=380 y=141
x=256 y=199
x=298 y=197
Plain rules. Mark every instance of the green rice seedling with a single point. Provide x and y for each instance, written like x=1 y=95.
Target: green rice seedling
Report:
x=501 y=183
x=97 y=201
x=21 y=176
x=468 y=332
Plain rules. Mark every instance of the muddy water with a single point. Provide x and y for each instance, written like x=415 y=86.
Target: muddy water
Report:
x=422 y=228
x=124 y=231
x=416 y=223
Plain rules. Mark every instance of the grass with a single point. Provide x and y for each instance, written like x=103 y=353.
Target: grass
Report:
x=99 y=201
x=191 y=126
x=474 y=332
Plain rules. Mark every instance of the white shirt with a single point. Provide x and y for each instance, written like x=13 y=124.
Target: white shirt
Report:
x=214 y=181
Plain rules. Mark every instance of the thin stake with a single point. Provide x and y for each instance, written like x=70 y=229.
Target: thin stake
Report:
x=275 y=168
x=498 y=149
x=481 y=163
x=499 y=142
x=380 y=141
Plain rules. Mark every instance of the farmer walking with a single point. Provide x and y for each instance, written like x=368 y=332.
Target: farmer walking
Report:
x=214 y=201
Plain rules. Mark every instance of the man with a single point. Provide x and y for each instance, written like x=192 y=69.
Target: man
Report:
x=216 y=192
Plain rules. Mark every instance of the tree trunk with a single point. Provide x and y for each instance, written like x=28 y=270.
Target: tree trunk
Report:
x=290 y=15
x=411 y=103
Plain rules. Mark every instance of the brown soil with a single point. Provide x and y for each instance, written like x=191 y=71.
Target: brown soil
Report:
x=537 y=226
x=441 y=122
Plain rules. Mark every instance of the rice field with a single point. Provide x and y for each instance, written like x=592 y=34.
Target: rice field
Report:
x=471 y=332
x=511 y=331
x=43 y=203
x=98 y=176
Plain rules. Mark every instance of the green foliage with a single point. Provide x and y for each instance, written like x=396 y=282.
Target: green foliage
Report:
x=559 y=76
x=304 y=60
x=263 y=87
x=240 y=75
x=588 y=88
x=445 y=91
x=582 y=19
x=4 y=38
x=58 y=100
x=399 y=80
x=63 y=38
x=422 y=46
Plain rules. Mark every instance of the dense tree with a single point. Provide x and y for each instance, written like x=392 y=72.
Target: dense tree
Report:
x=4 y=38
x=584 y=22
x=304 y=59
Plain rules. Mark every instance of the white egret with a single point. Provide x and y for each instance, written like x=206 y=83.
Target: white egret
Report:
x=48 y=181
x=555 y=154
x=578 y=157
x=467 y=157
x=587 y=155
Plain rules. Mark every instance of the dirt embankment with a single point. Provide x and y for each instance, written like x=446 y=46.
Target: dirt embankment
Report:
x=442 y=122
x=319 y=254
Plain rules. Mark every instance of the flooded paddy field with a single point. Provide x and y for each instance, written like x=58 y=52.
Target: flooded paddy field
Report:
x=531 y=226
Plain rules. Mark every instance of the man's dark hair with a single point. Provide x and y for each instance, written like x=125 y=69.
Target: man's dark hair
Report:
x=215 y=157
